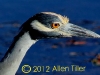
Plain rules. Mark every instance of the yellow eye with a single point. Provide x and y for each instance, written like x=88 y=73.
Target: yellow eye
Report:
x=55 y=25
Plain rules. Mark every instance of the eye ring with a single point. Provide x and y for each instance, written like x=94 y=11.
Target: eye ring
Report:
x=55 y=25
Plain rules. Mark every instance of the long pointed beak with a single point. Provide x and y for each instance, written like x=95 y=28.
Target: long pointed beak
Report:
x=74 y=30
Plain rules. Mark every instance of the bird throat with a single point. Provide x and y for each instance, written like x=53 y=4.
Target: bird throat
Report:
x=22 y=40
x=15 y=54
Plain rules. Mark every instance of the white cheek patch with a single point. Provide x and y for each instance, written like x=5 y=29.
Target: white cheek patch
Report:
x=39 y=26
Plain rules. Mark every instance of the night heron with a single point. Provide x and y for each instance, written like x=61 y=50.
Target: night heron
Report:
x=41 y=25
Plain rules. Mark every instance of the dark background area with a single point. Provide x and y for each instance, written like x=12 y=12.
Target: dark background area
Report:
x=51 y=52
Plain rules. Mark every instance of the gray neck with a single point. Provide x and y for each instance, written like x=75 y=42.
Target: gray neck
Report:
x=15 y=54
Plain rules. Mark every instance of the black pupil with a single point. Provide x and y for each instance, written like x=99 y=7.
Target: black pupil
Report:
x=56 y=24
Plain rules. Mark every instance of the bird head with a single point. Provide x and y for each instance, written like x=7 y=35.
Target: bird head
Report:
x=52 y=25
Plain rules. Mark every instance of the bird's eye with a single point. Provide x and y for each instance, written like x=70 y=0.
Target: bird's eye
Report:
x=55 y=25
